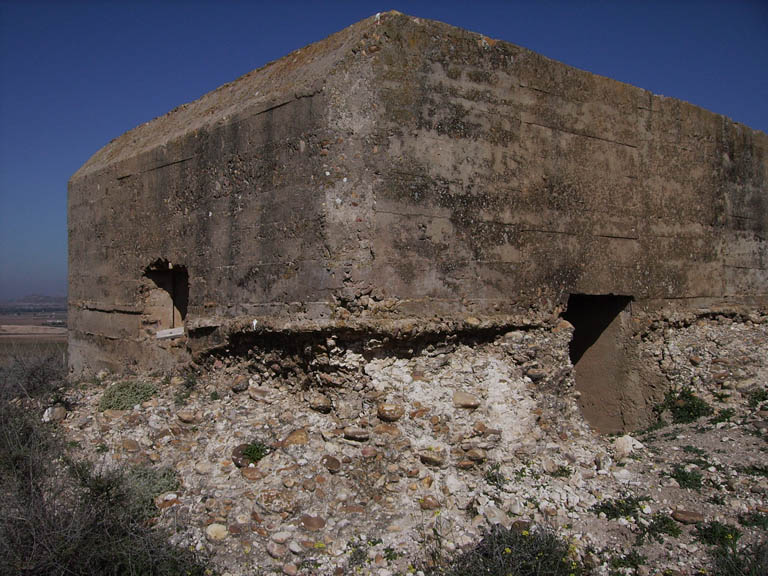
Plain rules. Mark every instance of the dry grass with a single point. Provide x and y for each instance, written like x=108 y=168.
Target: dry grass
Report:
x=59 y=516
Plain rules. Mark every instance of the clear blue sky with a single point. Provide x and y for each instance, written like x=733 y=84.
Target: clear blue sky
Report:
x=74 y=75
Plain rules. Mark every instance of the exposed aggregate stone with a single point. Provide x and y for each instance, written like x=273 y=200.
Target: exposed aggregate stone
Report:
x=388 y=447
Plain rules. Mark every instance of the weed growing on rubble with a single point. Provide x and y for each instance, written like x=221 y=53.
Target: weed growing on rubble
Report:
x=716 y=533
x=757 y=397
x=184 y=391
x=510 y=552
x=661 y=524
x=358 y=553
x=688 y=449
x=754 y=470
x=126 y=395
x=631 y=559
x=494 y=477
x=749 y=560
x=255 y=451
x=684 y=406
x=723 y=415
x=718 y=499
x=687 y=478
x=758 y=519
x=623 y=507
x=561 y=472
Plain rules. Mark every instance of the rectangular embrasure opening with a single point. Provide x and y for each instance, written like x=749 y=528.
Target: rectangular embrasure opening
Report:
x=168 y=296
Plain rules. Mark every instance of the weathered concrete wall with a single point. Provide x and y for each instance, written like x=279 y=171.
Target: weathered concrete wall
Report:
x=405 y=175
x=512 y=180
x=232 y=187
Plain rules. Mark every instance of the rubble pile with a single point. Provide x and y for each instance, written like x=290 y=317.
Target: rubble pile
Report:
x=343 y=456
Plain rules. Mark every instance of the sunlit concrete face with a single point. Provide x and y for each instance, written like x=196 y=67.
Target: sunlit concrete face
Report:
x=404 y=175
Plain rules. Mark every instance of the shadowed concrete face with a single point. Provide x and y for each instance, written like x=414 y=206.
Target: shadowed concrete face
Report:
x=598 y=352
x=404 y=176
x=167 y=296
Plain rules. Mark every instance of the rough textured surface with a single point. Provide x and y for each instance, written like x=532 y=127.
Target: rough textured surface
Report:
x=323 y=504
x=405 y=176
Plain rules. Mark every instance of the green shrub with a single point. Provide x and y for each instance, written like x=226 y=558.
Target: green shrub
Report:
x=723 y=415
x=125 y=395
x=623 y=507
x=757 y=397
x=685 y=406
x=32 y=373
x=494 y=477
x=716 y=533
x=750 y=560
x=134 y=488
x=631 y=559
x=755 y=470
x=59 y=517
x=255 y=451
x=508 y=552
x=661 y=524
x=687 y=478
x=757 y=519
x=562 y=472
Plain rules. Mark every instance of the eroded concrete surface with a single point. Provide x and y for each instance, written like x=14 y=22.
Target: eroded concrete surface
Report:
x=379 y=457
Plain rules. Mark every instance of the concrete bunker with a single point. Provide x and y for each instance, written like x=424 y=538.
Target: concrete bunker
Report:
x=456 y=186
x=166 y=298
x=598 y=352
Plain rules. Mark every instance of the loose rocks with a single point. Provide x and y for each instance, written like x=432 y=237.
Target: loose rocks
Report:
x=216 y=532
x=390 y=412
x=465 y=400
x=356 y=434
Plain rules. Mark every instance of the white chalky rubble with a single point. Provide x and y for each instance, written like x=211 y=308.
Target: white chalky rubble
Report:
x=523 y=454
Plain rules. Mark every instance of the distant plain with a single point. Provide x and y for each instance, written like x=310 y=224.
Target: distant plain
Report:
x=32 y=332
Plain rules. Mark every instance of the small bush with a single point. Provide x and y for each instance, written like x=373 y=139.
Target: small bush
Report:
x=756 y=519
x=32 y=375
x=631 y=559
x=623 y=507
x=661 y=524
x=125 y=395
x=494 y=477
x=255 y=451
x=687 y=478
x=716 y=533
x=750 y=560
x=755 y=470
x=59 y=517
x=718 y=499
x=685 y=406
x=723 y=415
x=507 y=552
x=757 y=397
x=562 y=472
